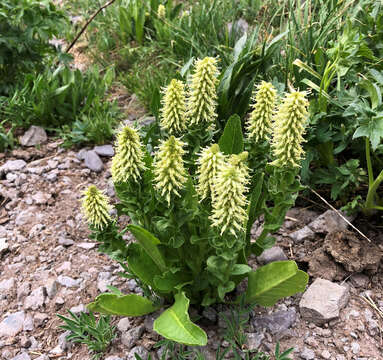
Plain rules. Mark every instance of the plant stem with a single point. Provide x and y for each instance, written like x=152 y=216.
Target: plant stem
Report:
x=369 y=205
x=369 y=165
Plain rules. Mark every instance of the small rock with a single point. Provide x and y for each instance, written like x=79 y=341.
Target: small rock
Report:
x=64 y=241
x=64 y=344
x=79 y=309
x=12 y=324
x=210 y=314
x=4 y=246
x=40 y=319
x=104 y=150
x=65 y=266
x=139 y=350
x=7 y=285
x=36 y=299
x=254 y=340
x=41 y=198
x=35 y=135
x=271 y=255
x=302 y=234
x=124 y=324
x=22 y=356
x=23 y=290
x=359 y=280
x=307 y=354
x=276 y=322
x=325 y=354
x=68 y=281
x=322 y=301
x=42 y=357
x=52 y=176
x=130 y=337
x=355 y=347
x=12 y=166
x=81 y=154
x=86 y=245
x=28 y=323
x=93 y=162
x=329 y=222
x=113 y=357
x=51 y=288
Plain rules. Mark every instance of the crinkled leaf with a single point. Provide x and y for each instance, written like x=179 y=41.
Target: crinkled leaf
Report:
x=174 y=324
x=372 y=129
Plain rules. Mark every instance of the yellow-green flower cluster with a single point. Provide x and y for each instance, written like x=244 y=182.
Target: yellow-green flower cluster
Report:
x=229 y=204
x=210 y=161
x=173 y=115
x=96 y=208
x=203 y=94
x=259 y=122
x=161 y=11
x=288 y=129
x=128 y=160
x=170 y=174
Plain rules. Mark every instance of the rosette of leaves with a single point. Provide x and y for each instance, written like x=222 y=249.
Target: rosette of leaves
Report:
x=190 y=251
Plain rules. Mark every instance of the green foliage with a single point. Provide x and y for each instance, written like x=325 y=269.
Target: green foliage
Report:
x=97 y=335
x=26 y=26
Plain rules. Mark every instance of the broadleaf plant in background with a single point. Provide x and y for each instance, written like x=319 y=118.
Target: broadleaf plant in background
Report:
x=192 y=205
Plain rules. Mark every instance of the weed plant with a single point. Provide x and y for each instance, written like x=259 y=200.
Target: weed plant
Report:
x=96 y=334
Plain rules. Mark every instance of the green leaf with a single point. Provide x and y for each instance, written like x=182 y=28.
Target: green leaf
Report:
x=274 y=281
x=374 y=92
x=141 y=264
x=372 y=129
x=128 y=305
x=168 y=281
x=174 y=324
x=149 y=242
x=240 y=269
x=223 y=289
x=231 y=141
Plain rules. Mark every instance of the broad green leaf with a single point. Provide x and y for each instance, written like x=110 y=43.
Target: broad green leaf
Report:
x=149 y=242
x=141 y=264
x=174 y=324
x=231 y=141
x=128 y=305
x=223 y=289
x=168 y=281
x=274 y=281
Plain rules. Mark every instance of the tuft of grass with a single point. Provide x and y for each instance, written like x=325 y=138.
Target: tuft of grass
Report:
x=97 y=335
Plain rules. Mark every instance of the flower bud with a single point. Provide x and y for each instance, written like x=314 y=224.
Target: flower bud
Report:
x=128 y=160
x=210 y=161
x=170 y=174
x=259 y=122
x=288 y=130
x=203 y=94
x=96 y=207
x=229 y=204
x=173 y=115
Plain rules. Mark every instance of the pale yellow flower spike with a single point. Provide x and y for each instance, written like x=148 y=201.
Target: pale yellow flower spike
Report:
x=229 y=205
x=96 y=207
x=259 y=122
x=161 y=11
x=203 y=95
x=288 y=130
x=210 y=161
x=170 y=174
x=173 y=115
x=128 y=160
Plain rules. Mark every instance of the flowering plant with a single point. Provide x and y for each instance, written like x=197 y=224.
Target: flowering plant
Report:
x=193 y=202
